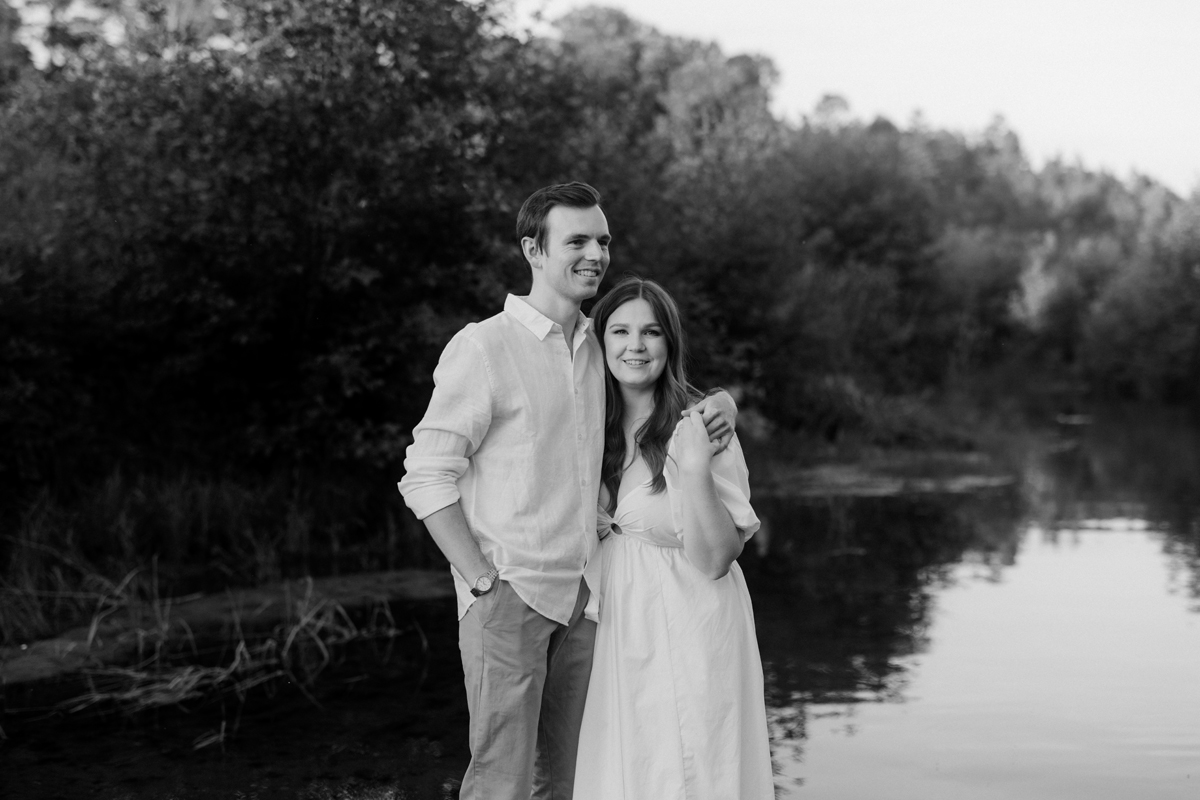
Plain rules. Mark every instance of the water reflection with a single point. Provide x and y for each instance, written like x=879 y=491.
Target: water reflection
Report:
x=1036 y=642
x=844 y=587
x=843 y=591
x=1134 y=464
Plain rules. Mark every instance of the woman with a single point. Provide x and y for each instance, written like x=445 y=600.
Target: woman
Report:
x=675 y=704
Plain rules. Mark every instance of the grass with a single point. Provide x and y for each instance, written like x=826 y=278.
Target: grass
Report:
x=48 y=581
x=69 y=557
x=134 y=546
x=176 y=674
x=350 y=791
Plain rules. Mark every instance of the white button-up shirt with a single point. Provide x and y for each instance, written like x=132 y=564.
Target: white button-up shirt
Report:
x=515 y=433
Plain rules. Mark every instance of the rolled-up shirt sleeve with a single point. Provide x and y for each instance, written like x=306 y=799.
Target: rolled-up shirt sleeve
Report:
x=458 y=417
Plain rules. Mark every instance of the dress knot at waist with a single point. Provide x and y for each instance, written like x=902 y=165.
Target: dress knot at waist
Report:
x=654 y=536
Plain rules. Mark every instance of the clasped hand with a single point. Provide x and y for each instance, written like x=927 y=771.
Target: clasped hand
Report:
x=694 y=449
x=717 y=412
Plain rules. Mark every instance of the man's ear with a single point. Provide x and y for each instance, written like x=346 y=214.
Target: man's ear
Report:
x=531 y=250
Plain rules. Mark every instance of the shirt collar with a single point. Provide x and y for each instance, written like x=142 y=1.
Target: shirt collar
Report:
x=538 y=323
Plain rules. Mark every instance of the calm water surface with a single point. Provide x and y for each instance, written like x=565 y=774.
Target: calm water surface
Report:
x=1039 y=643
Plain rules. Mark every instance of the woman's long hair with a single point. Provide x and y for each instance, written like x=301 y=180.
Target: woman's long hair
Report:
x=672 y=393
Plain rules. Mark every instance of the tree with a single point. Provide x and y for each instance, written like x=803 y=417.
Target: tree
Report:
x=257 y=254
x=1142 y=337
x=14 y=56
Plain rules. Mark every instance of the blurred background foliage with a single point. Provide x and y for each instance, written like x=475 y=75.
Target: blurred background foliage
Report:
x=234 y=235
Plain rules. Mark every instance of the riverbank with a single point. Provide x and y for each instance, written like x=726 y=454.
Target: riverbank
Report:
x=842 y=575
x=386 y=720
x=344 y=687
x=353 y=688
x=130 y=634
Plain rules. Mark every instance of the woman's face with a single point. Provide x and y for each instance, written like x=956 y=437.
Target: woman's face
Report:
x=635 y=346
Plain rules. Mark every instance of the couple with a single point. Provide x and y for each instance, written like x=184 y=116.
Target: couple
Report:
x=544 y=428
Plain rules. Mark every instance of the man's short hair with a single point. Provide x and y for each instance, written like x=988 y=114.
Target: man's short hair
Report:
x=531 y=219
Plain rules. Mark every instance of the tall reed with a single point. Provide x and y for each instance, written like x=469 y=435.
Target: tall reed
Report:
x=65 y=554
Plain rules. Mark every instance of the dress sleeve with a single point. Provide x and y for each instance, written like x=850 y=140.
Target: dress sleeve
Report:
x=732 y=480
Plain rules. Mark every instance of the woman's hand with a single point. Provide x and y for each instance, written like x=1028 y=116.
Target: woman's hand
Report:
x=694 y=450
x=712 y=542
x=719 y=414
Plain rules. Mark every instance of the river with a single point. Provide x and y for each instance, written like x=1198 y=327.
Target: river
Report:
x=1035 y=640
x=1043 y=642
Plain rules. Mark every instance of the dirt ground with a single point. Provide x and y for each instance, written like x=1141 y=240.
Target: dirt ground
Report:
x=391 y=724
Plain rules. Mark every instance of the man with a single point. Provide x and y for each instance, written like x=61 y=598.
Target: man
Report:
x=504 y=470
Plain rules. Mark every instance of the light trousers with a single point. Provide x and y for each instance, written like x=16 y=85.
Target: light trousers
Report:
x=527 y=679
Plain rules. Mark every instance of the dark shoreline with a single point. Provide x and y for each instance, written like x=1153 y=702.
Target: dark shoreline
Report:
x=385 y=720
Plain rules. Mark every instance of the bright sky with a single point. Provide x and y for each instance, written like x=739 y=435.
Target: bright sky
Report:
x=1112 y=83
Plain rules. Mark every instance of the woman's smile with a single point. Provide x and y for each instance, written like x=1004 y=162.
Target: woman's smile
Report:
x=634 y=345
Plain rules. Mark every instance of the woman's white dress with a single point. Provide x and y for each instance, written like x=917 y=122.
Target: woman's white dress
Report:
x=675 y=705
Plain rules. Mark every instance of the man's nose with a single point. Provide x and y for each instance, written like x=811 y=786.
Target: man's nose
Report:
x=593 y=252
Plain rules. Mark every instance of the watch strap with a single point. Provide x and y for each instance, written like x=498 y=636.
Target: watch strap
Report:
x=488 y=579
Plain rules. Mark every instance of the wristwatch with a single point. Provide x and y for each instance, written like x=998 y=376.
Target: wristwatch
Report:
x=485 y=582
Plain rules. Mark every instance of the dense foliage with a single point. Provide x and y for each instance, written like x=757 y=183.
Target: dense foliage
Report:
x=233 y=243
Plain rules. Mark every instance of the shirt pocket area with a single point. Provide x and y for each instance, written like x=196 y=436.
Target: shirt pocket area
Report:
x=509 y=475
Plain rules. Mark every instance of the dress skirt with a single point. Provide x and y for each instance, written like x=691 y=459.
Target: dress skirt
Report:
x=675 y=706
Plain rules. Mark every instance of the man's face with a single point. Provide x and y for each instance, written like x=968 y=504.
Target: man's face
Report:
x=575 y=256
